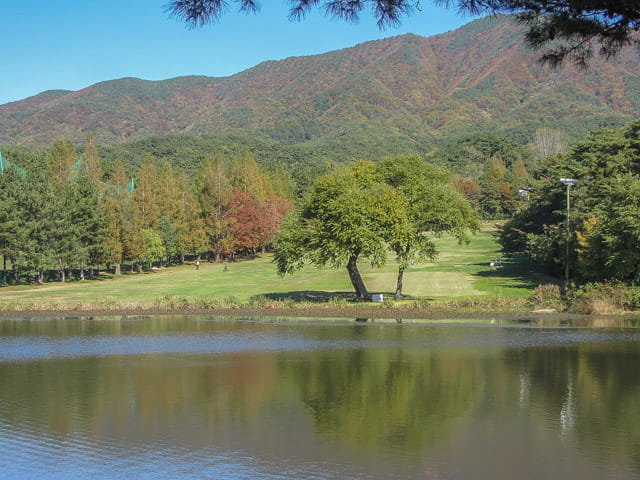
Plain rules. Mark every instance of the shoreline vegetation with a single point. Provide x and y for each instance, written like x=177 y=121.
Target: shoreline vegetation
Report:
x=459 y=283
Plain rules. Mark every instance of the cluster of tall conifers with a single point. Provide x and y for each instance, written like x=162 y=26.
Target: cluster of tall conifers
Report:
x=65 y=214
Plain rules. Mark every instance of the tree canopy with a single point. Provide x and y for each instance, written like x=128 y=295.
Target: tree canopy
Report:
x=604 y=217
x=566 y=28
x=346 y=216
x=365 y=209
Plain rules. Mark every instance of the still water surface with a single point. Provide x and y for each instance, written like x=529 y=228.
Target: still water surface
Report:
x=211 y=398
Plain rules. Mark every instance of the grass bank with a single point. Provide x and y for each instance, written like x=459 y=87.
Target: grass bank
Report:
x=460 y=279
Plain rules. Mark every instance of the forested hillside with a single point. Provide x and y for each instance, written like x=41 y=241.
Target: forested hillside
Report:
x=401 y=94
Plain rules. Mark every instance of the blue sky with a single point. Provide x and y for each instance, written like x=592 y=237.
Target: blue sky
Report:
x=71 y=44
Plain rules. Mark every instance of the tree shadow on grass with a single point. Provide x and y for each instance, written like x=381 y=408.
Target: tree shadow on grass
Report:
x=520 y=273
x=319 y=296
x=311 y=296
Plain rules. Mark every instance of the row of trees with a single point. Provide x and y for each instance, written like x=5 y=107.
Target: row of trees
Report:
x=366 y=209
x=65 y=213
x=604 y=230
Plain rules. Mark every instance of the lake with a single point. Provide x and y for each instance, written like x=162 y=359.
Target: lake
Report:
x=197 y=397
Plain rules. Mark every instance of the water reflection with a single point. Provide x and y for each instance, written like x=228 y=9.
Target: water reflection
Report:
x=241 y=399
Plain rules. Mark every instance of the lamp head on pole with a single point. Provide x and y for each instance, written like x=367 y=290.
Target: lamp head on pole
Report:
x=570 y=182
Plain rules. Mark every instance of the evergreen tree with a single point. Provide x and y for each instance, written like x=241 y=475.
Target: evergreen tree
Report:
x=169 y=235
x=89 y=222
x=12 y=187
x=39 y=223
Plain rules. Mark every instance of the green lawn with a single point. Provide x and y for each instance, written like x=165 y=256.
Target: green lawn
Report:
x=459 y=272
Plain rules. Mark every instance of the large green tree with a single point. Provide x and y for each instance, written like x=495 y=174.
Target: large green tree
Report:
x=432 y=206
x=566 y=28
x=89 y=222
x=39 y=210
x=347 y=215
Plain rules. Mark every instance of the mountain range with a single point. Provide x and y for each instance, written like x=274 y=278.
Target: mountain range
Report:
x=402 y=93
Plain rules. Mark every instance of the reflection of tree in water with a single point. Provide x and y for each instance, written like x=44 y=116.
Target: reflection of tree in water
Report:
x=383 y=392
x=139 y=396
x=588 y=392
x=389 y=397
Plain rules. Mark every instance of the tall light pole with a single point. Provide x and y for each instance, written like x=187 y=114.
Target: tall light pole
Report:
x=569 y=182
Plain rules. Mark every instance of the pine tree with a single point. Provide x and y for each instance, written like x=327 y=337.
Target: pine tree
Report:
x=11 y=217
x=89 y=221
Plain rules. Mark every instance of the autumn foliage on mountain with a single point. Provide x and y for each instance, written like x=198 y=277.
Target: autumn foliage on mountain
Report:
x=387 y=96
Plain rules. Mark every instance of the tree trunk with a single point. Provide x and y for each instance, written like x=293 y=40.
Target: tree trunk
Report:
x=182 y=258
x=60 y=264
x=81 y=271
x=117 y=269
x=139 y=268
x=356 y=279
x=39 y=278
x=398 y=295
x=91 y=274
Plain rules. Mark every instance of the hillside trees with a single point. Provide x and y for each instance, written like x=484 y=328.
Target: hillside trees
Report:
x=565 y=27
x=605 y=220
x=492 y=170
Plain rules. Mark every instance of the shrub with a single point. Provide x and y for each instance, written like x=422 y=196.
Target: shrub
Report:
x=547 y=296
x=604 y=298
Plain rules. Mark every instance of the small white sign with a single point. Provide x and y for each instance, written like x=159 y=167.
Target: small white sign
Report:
x=377 y=297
